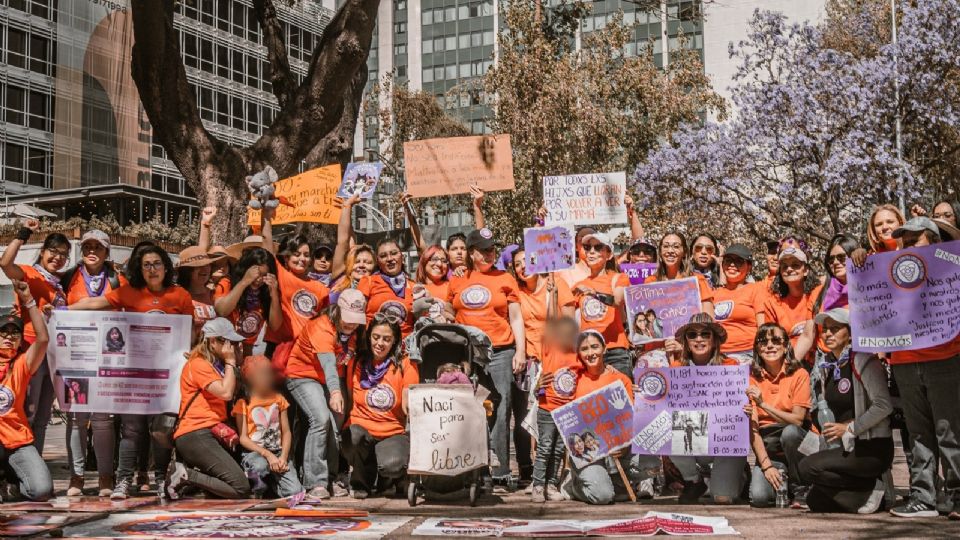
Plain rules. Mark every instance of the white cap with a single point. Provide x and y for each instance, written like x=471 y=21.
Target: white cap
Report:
x=599 y=237
x=353 y=306
x=841 y=315
x=97 y=235
x=221 y=327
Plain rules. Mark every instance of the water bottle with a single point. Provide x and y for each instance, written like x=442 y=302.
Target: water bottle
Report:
x=825 y=416
x=783 y=497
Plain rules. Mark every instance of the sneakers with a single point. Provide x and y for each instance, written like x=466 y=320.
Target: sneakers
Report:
x=359 y=494
x=874 y=500
x=692 y=491
x=645 y=489
x=340 y=490
x=799 y=498
x=122 y=490
x=76 y=486
x=914 y=508
x=175 y=479
x=318 y=493
x=538 y=494
x=162 y=489
x=553 y=493
x=106 y=483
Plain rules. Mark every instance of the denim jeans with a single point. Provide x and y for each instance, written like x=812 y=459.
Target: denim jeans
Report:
x=320 y=448
x=762 y=493
x=261 y=477
x=135 y=443
x=930 y=393
x=550 y=450
x=30 y=471
x=726 y=473
x=499 y=375
x=599 y=482
x=39 y=404
x=103 y=429
x=210 y=467
x=371 y=457
x=620 y=360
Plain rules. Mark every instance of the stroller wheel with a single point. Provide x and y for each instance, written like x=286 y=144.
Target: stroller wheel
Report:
x=412 y=493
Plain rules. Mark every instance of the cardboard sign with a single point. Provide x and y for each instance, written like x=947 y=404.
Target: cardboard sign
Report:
x=905 y=300
x=691 y=411
x=445 y=420
x=672 y=304
x=311 y=195
x=360 y=178
x=585 y=199
x=596 y=425
x=638 y=272
x=436 y=167
x=548 y=249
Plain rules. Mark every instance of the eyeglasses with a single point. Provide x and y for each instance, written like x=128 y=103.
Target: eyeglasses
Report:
x=157 y=265
x=839 y=259
x=694 y=334
x=440 y=260
x=389 y=318
x=58 y=253
x=776 y=340
x=707 y=248
x=587 y=248
x=7 y=334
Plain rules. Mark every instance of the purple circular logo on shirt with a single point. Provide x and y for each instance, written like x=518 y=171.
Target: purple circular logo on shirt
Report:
x=593 y=309
x=392 y=307
x=723 y=310
x=475 y=297
x=7 y=399
x=249 y=324
x=843 y=386
x=564 y=382
x=381 y=397
x=305 y=303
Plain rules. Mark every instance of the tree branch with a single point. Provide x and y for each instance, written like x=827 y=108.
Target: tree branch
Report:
x=282 y=81
x=337 y=146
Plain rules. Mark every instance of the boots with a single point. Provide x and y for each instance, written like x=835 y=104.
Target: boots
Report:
x=76 y=486
x=107 y=482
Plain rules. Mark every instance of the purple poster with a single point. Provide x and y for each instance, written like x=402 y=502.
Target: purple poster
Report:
x=905 y=300
x=638 y=272
x=656 y=310
x=360 y=178
x=691 y=411
x=548 y=249
x=597 y=424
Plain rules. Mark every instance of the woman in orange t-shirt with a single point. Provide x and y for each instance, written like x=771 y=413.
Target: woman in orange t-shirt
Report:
x=17 y=365
x=674 y=263
x=389 y=290
x=207 y=384
x=193 y=274
x=375 y=442
x=251 y=297
x=833 y=293
x=792 y=293
x=738 y=305
x=432 y=272
x=488 y=299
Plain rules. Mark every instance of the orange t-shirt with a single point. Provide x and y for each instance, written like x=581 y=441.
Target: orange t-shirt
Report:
x=381 y=298
x=77 y=290
x=223 y=288
x=790 y=313
x=737 y=311
x=14 y=427
x=300 y=300
x=587 y=384
x=482 y=299
x=533 y=306
x=783 y=392
x=379 y=409
x=930 y=354
x=595 y=315
x=706 y=293
x=565 y=367
x=575 y=274
x=262 y=416
x=440 y=291
x=174 y=300
x=207 y=410
x=247 y=322
x=43 y=292
x=319 y=336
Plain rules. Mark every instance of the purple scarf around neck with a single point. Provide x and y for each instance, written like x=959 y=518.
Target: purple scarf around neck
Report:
x=371 y=375
x=836 y=295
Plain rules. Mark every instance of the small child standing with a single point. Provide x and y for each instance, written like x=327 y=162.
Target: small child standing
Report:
x=264 y=430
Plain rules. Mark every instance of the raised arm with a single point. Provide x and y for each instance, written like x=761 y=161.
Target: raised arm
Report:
x=8 y=260
x=477 y=192
x=405 y=199
x=206 y=218
x=91 y=303
x=344 y=234
x=38 y=349
x=276 y=312
x=266 y=228
x=636 y=229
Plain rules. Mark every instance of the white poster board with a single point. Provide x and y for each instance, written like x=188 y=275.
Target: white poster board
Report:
x=585 y=199
x=448 y=429
x=117 y=362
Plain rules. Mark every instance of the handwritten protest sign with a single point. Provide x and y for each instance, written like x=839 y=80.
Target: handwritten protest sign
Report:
x=445 y=421
x=597 y=424
x=691 y=411
x=672 y=303
x=548 y=249
x=117 y=362
x=360 y=178
x=311 y=195
x=638 y=272
x=437 y=167
x=905 y=300
x=585 y=199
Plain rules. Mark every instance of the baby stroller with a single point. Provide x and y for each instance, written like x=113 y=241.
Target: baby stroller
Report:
x=432 y=345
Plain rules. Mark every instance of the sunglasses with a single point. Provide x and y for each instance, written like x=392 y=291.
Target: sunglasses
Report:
x=587 y=248
x=840 y=259
x=734 y=260
x=694 y=334
x=776 y=340
x=705 y=248
x=389 y=318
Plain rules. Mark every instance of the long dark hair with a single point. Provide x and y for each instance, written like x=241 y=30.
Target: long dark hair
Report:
x=846 y=242
x=53 y=241
x=714 y=267
x=684 y=270
x=133 y=253
x=291 y=245
x=954 y=206
x=184 y=276
x=135 y=269
x=779 y=287
x=791 y=364
x=255 y=257
x=366 y=350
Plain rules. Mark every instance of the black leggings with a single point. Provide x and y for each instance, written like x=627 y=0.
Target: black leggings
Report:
x=210 y=467
x=371 y=457
x=842 y=481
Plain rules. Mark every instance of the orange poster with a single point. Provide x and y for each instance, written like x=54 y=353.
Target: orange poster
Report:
x=437 y=167
x=311 y=195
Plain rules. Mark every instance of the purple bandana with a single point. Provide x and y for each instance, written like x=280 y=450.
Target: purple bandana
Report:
x=371 y=376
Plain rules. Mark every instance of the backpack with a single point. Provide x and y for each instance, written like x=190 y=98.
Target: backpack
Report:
x=113 y=278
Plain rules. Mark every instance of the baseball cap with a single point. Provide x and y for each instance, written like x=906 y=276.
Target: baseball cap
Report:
x=323 y=247
x=353 y=306
x=11 y=319
x=480 y=239
x=194 y=256
x=221 y=327
x=599 y=237
x=917 y=224
x=641 y=243
x=97 y=235
x=841 y=315
x=739 y=250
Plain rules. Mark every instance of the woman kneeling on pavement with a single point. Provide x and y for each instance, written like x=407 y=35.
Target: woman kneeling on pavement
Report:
x=698 y=343
x=598 y=482
x=208 y=382
x=845 y=476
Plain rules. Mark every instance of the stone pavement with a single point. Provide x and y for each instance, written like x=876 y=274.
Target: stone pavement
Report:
x=751 y=523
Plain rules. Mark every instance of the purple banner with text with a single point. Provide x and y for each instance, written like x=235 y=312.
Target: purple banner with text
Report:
x=691 y=411
x=905 y=300
x=638 y=272
x=597 y=424
x=548 y=249
x=657 y=310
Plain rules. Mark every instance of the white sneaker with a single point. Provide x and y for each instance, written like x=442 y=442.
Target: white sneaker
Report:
x=874 y=500
x=175 y=479
x=122 y=490
x=645 y=489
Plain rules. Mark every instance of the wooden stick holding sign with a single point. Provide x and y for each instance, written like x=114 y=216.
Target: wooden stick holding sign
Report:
x=626 y=482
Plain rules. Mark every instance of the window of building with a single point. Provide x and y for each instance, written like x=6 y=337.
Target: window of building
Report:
x=39 y=111
x=190 y=52
x=450 y=43
x=253 y=117
x=237 y=113
x=206 y=11
x=400 y=49
x=476 y=39
x=400 y=28
x=463 y=40
x=237 y=69
x=464 y=71
x=488 y=37
x=450 y=14
x=13 y=163
x=206 y=104
x=427 y=75
x=438 y=15
x=401 y=71
x=16 y=48
x=206 y=55
x=401 y=4
x=14 y=105
x=427 y=46
x=426 y=17
x=451 y=72
x=438 y=44
x=223 y=61
x=223 y=109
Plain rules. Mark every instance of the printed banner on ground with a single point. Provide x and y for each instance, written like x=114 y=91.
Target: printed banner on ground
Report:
x=657 y=310
x=436 y=167
x=691 y=411
x=585 y=199
x=596 y=425
x=638 y=272
x=445 y=421
x=650 y=524
x=548 y=249
x=310 y=196
x=361 y=178
x=905 y=300
x=117 y=362
x=23 y=525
